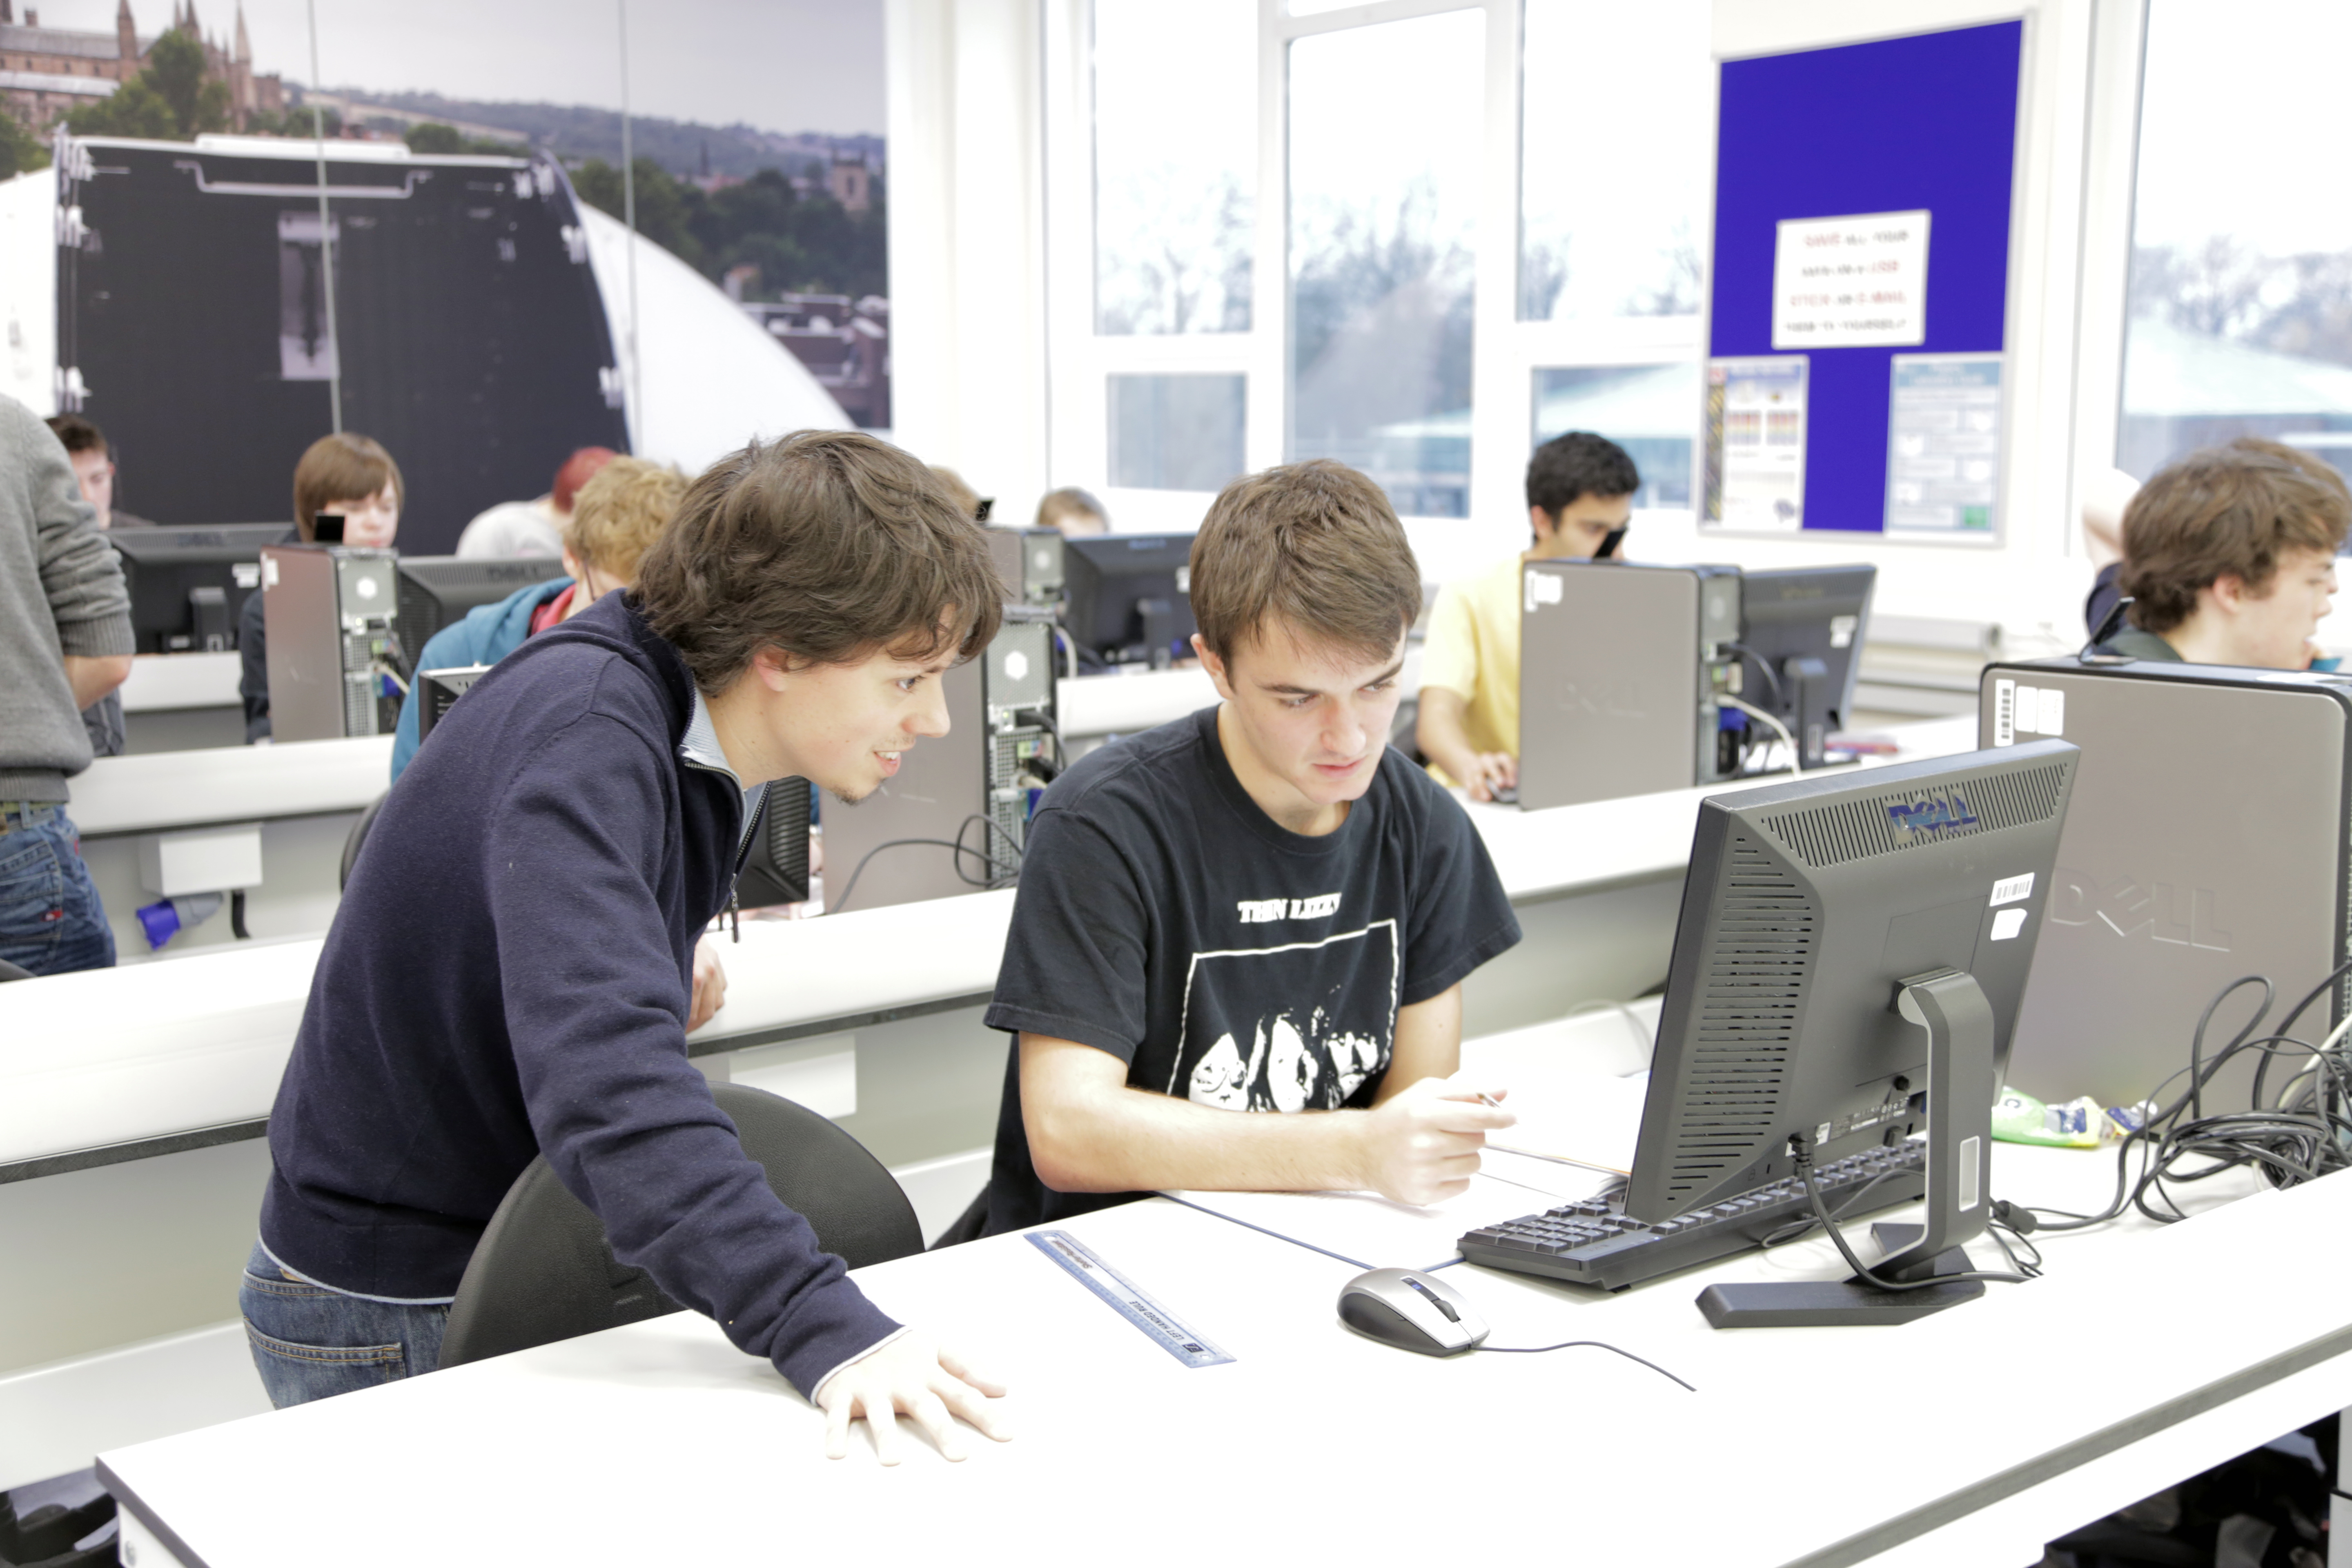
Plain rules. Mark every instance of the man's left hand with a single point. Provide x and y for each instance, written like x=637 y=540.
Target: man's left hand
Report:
x=709 y=985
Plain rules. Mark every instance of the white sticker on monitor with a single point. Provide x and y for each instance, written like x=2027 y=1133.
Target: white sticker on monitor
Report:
x=2029 y=710
x=1842 y=629
x=2007 y=923
x=1543 y=588
x=2010 y=889
x=2005 y=713
x=2054 y=711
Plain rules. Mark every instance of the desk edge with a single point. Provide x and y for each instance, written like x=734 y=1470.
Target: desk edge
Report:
x=133 y=1149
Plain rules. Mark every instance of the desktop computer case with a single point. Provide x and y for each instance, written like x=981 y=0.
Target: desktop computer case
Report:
x=2207 y=840
x=1616 y=693
x=323 y=608
x=944 y=782
x=1029 y=560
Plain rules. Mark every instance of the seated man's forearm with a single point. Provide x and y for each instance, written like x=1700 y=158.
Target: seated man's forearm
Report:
x=1133 y=1141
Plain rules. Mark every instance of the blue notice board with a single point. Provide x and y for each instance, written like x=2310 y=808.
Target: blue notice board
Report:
x=1901 y=124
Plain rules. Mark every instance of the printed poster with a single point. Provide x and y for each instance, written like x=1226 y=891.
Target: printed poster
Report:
x=1755 y=444
x=1943 y=447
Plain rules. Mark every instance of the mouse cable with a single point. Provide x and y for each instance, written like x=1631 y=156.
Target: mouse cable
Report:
x=1572 y=1344
x=834 y=906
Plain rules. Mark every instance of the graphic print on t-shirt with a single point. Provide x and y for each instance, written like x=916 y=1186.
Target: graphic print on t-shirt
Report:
x=1296 y=1028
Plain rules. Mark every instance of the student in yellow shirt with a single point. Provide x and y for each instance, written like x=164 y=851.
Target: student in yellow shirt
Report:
x=1579 y=490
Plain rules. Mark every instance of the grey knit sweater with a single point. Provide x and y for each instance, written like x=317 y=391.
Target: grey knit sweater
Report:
x=60 y=592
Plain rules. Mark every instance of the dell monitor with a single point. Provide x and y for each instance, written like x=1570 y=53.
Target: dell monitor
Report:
x=1801 y=634
x=436 y=590
x=188 y=585
x=1847 y=969
x=1128 y=597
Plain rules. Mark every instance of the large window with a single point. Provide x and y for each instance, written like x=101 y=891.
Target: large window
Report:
x=1385 y=126
x=2241 y=253
x=1175 y=113
x=1614 y=115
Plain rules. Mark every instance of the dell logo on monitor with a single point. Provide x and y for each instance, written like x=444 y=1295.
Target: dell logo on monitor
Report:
x=1933 y=816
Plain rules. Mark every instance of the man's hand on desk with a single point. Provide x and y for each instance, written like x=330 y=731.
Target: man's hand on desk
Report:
x=709 y=984
x=912 y=1375
x=1420 y=1145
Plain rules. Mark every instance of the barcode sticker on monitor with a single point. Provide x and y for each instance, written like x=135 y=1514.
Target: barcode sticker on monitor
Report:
x=2009 y=890
x=2005 y=713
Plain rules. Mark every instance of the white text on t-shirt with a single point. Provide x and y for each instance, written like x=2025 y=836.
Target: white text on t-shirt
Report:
x=1257 y=911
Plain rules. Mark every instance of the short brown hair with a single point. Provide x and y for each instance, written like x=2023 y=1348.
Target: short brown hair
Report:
x=1315 y=543
x=342 y=467
x=617 y=515
x=77 y=434
x=2227 y=511
x=828 y=544
x=1067 y=502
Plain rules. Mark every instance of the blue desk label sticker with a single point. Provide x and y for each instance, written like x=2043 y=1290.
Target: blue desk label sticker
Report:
x=1159 y=1325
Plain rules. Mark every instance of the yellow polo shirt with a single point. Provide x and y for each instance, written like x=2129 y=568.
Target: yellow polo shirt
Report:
x=1472 y=650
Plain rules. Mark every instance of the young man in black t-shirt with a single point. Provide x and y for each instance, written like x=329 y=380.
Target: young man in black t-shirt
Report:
x=1259 y=907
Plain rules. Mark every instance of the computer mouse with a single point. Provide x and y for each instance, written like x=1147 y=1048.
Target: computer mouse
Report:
x=1411 y=1310
x=1504 y=795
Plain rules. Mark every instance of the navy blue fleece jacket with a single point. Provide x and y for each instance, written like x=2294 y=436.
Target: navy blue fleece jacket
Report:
x=510 y=974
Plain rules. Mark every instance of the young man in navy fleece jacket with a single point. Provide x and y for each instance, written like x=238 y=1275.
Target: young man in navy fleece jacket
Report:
x=510 y=972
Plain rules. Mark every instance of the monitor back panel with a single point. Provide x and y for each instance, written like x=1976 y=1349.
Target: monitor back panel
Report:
x=1611 y=683
x=2206 y=841
x=942 y=782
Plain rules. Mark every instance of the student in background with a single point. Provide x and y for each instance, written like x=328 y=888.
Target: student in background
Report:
x=525 y=528
x=508 y=974
x=1579 y=490
x=94 y=468
x=965 y=496
x=610 y=526
x=2230 y=557
x=1074 y=511
x=65 y=642
x=347 y=476
x=1262 y=906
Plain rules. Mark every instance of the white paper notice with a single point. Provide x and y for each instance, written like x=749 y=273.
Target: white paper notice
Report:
x=1755 y=430
x=1943 y=445
x=1850 y=283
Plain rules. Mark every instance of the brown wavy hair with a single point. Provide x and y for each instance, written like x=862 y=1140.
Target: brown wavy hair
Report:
x=342 y=467
x=2226 y=512
x=828 y=545
x=1315 y=543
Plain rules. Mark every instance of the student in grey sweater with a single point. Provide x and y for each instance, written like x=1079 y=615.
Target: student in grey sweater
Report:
x=65 y=642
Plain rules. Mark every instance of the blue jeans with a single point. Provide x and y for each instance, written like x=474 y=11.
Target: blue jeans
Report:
x=310 y=1342
x=51 y=919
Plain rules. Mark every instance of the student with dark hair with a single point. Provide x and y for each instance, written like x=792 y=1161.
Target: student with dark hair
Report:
x=1260 y=908
x=93 y=468
x=348 y=475
x=509 y=975
x=1579 y=490
x=2230 y=557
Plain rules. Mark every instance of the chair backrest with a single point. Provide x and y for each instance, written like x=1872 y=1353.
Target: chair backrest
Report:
x=357 y=836
x=544 y=1272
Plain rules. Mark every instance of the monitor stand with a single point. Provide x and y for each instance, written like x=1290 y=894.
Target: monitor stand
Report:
x=1960 y=1067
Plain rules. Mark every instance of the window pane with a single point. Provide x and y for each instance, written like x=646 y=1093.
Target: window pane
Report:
x=1176 y=432
x=1614 y=158
x=1385 y=125
x=1175 y=157
x=1649 y=409
x=2242 y=259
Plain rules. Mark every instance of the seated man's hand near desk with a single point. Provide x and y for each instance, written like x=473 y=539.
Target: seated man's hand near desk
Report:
x=910 y=1375
x=1418 y=1143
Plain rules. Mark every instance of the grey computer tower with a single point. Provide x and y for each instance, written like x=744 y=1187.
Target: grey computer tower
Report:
x=2207 y=840
x=972 y=786
x=1618 y=668
x=329 y=611
x=1029 y=560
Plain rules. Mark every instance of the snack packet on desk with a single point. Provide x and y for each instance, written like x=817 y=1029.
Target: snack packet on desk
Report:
x=2019 y=1118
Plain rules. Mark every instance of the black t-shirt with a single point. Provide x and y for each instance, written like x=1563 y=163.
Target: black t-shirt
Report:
x=1164 y=918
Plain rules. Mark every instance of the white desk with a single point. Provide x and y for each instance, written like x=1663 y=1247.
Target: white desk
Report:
x=1285 y=1452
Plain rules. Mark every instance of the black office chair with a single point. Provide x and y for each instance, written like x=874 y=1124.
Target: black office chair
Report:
x=12 y=972
x=357 y=836
x=544 y=1272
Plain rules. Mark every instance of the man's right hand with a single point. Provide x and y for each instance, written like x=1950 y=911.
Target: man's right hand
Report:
x=1488 y=772
x=1421 y=1145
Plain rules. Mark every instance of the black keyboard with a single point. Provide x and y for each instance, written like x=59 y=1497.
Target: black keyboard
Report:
x=1594 y=1243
